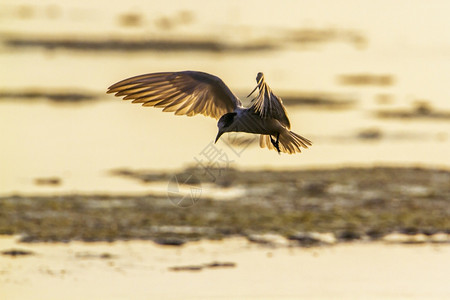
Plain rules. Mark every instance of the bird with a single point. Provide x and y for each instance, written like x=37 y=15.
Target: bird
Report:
x=194 y=92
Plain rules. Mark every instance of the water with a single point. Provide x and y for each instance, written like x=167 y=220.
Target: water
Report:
x=81 y=142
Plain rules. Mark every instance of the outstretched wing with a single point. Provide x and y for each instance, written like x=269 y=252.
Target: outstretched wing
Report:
x=267 y=104
x=185 y=93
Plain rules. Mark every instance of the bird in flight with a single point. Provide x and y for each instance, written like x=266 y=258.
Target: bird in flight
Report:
x=191 y=92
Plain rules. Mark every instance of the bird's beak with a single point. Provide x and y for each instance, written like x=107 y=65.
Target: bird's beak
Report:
x=219 y=134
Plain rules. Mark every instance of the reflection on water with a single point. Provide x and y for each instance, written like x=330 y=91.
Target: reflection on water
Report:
x=368 y=115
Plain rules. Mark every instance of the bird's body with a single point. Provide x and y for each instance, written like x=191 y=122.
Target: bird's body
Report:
x=191 y=92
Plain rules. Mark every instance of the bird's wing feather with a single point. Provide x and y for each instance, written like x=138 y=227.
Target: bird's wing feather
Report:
x=269 y=105
x=290 y=142
x=184 y=93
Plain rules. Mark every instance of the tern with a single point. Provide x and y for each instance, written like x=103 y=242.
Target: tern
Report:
x=192 y=92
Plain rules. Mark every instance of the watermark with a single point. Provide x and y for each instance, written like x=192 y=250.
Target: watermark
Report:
x=184 y=190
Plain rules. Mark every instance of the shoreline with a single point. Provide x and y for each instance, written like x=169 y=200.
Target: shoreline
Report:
x=233 y=268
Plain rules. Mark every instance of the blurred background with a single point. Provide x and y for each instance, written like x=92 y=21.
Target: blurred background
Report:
x=364 y=80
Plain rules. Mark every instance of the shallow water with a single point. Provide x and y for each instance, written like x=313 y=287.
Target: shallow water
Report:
x=141 y=268
x=80 y=143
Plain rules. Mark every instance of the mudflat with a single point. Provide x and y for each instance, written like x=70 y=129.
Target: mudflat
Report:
x=228 y=269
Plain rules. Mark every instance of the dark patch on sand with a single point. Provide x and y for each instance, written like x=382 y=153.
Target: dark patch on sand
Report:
x=324 y=101
x=137 y=45
x=52 y=181
x=315 y=36
x=17 y=252
x=421 y=110
x=213 y=265
x=92 y=255
x=366 y=79
x=53 y=96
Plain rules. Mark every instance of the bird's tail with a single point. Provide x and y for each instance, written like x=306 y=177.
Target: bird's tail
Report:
x=289 y=142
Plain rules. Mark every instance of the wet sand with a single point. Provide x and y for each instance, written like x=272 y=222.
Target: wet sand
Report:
x=142 y=270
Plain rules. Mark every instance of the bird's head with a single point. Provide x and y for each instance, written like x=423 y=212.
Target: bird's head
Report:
x=259 y=77
x=224 y=124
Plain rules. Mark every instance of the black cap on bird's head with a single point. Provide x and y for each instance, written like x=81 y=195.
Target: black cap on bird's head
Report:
x=259 y=76
x=224 y=124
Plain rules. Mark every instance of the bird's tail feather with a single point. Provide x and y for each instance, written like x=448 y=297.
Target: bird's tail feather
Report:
x=289 y=142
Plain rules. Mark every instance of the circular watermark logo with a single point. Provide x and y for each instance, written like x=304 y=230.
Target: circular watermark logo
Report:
x=184 y=190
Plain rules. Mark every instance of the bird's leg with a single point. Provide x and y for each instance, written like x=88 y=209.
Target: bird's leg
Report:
x=276 y=143
x=272 y=141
